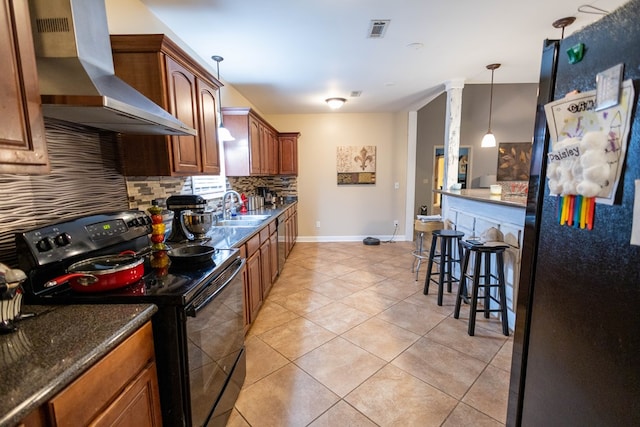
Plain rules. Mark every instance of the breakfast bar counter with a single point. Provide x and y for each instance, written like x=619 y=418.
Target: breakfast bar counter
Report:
x=474 y=211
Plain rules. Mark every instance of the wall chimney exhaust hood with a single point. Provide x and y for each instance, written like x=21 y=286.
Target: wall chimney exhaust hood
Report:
x=77 y=79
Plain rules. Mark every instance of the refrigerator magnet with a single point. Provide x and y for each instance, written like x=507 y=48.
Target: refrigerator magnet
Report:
x=608 y=87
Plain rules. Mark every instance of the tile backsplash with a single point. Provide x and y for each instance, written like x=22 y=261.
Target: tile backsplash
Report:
x=83 y=180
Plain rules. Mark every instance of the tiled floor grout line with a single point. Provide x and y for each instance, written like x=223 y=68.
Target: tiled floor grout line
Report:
x=300 y=260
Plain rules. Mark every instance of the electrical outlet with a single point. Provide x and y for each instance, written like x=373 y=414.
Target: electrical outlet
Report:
x=317 y=224
x=395 y=222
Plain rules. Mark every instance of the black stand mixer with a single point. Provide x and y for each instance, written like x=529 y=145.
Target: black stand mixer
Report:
x=178 y=204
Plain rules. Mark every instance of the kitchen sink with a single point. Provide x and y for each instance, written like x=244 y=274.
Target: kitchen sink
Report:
x=242 y=221
x=239 y=223
x=257 y=218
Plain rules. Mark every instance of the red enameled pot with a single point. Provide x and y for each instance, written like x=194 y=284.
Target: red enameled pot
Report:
x=102 y=273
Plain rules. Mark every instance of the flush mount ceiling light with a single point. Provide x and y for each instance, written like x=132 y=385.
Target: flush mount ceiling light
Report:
x=489 y=140
x=335 y=103
x=223 y=132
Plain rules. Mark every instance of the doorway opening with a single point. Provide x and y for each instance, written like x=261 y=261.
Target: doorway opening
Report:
x=464 y=171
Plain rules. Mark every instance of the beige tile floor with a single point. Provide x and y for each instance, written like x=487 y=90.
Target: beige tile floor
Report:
x=346 y=338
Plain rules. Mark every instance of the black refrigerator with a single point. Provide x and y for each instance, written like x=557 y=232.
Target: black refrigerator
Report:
x=576 y=357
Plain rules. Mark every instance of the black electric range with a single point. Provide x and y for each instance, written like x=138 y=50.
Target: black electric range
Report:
x=199 y=326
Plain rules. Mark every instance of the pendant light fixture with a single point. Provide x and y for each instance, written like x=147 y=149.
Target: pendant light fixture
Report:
x=563 y=23
x=489 y=140
x=223 y=133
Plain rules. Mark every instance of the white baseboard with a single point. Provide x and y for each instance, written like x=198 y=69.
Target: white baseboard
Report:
x=325 y=239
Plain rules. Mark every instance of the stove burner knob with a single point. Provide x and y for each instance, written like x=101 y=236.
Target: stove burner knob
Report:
x=62 y=239
x=133 y=222
x=142 y=221
x=44 y=245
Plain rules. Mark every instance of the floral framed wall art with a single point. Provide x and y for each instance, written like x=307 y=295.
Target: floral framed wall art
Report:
x=514 y=159
x=356 y=164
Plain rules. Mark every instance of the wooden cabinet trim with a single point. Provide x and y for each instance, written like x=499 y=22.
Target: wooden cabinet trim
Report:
x=128 y=43
x=99 y=385
x=23 y=148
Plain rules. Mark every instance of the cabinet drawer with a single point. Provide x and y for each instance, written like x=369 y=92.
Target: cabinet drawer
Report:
x=264 y=234
x=253 y=244
x=94 y=391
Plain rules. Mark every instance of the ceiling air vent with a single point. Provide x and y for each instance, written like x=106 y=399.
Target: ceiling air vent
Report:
x=377 y=28
x=355 y=93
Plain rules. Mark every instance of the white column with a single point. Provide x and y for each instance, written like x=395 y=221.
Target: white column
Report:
x=452 y=134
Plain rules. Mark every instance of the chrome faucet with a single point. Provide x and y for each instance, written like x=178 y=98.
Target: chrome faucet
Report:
x=232 y=205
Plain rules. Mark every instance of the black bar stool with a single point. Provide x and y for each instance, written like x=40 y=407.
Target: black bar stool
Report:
x=444 y=258
x=489 y=280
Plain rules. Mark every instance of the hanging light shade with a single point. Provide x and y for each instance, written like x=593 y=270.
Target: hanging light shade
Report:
x=223 y=133
x=489 y=140
x=335 y=103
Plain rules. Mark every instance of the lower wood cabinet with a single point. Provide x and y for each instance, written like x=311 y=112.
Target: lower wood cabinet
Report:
x=121 y=389
x=273 y=238
x=261 y=252
x=253 y=279
x=291 y=229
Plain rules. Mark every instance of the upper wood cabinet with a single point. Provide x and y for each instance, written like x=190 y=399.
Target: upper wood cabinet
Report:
x=23 y=147
x=288 y=146
x=252 y=150
x=164 y=73
x=257 y=148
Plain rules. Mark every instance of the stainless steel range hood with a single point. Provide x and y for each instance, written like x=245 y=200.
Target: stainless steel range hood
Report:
x=77 y=79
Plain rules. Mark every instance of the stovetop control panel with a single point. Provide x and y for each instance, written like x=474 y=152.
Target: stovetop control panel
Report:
x=57 y=242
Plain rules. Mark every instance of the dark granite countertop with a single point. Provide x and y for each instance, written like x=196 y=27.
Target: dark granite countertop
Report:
x=48 y=351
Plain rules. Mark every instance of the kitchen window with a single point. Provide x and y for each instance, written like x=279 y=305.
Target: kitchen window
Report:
x=209 y=186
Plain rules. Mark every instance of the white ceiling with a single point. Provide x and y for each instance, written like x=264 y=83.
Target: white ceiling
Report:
x=287 y=56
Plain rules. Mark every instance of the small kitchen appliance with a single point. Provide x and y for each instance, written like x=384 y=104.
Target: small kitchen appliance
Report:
x=198 y=329
x=178 y=204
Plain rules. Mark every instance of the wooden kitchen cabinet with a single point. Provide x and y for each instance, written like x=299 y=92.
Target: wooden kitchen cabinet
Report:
x=254 y=150
x=269 y=254
x=273 y=239
x=164 y=73
x=261 y=252
x=253 y=286
x=288 y=158
x=23 y=147
x=291 y=229
x=120 y=389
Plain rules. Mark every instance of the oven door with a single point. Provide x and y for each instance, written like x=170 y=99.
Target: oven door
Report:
x=215 y=337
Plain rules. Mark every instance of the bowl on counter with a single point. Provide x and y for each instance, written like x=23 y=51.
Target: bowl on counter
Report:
x=198 y=223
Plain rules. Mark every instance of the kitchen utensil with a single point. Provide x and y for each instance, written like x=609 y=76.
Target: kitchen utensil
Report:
x=178 y=204
x=10 y=297
x=191 y=254
x=197 y=223
x=102 y=273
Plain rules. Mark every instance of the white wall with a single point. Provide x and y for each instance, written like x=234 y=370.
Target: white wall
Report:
x=348 y=212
